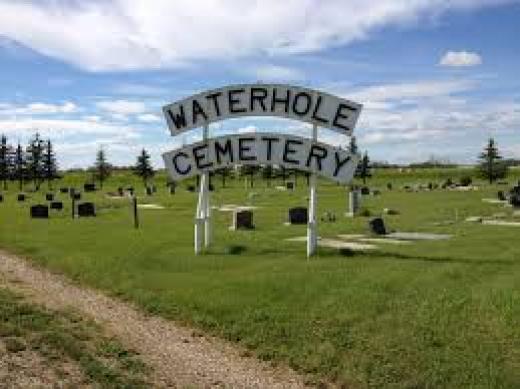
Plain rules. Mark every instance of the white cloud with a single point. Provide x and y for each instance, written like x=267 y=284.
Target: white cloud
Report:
x=38 y=109
x=149 y=118
x=277 y=73
x=136 y=34
x=122 y=107
x=410 y=90
x=460 y=59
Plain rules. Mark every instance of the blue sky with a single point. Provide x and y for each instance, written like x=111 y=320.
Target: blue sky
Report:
x=436 y=77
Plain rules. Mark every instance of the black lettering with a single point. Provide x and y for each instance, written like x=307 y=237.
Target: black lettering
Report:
x=288 y=151
x=200 y=157
x=341 y=115
x=196 y=111
x=243 y=148
x=339 y=163
x=308 y=99
x=257 y=94
x=233 y=102
x=316 y=109
x=317 y=152
x=227 y=149
x=269 y=141
x=277 y=100
x=213 y=97
x=176 y=166
x=179 y=119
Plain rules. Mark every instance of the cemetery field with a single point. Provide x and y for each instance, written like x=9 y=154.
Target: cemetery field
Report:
x=425 y=314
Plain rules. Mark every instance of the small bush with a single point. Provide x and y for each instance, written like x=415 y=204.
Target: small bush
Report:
x=466 y=181
x=234 y=250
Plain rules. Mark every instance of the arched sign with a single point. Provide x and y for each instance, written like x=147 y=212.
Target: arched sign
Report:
x=277 y=100
x=287 y=151
x=294 y=152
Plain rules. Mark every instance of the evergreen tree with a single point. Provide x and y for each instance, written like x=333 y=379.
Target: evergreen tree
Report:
x=267 y=174
x=102 y=169
x=143 y=168
x=363 y=170
x=50 y=167
x=491 y=166
x=35 y=154
x=5 y=163
x=353 y=147
x=20 y=166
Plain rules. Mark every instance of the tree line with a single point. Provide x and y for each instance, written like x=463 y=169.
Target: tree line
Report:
x=34 y=162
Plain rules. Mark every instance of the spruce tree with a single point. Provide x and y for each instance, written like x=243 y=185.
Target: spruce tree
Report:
x=102 y=169
x=35 y=154
x=353 y=147
x=5 y=157
x=50 y=167
x=20 y=166
x=363 y=170
x=143 y=167
x=491 y=166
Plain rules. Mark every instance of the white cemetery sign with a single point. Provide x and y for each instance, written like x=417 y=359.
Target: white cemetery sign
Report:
x=294 y=152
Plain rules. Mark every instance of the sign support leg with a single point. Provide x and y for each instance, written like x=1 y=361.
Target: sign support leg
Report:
x=312 y=226
x=202 y=215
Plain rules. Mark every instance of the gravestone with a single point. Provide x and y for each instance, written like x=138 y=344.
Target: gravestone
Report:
x=21 y=197
x=149 y=191
x=49 y=197
x=1 y=198
x=389 y=186
x=120 y=191
x=39 y=211
x=298 y=215
x=365 y=190
x=211 y=187
x=154 y=189
x=289 y=185
x=86 y=209
x=64 y=190
x=501 y=195
x=377 y=226
x=514 y=197
x=243 y=220
x=57 y=205
x=171 y=189
x=89 y=187
x=76 y=196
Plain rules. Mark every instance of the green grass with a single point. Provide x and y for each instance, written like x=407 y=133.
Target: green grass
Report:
x=64 y=336
x=432 y=314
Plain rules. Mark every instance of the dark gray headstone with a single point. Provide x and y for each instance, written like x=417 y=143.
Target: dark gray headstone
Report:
x=1 y=198
x=171 y=188
x=243 y=220
x=49 y=197
x=149 y=191
x=120 y=191
x=86 y=209
x=89 y=187
x=298 y=215
x=365 y=191
x=289 y=185
x=64 y=190
x=377 y=226
x=39 y=211
x=514 y=197
x=211 y=187
x=76 y=196
x=21 y=197
x=57 y=205
x=501 y=195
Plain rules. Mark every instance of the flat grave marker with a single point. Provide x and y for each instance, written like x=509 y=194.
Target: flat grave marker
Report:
x=57 y=205
x=39 y=211
x=86 y=210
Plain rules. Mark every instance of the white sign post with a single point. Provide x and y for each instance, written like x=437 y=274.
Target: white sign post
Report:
x=275 y=149
x=312 y=226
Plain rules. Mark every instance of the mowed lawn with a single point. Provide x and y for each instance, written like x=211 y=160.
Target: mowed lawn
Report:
x=429 y=314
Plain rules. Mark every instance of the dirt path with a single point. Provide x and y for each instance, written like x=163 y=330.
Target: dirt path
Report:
x=178 y=357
